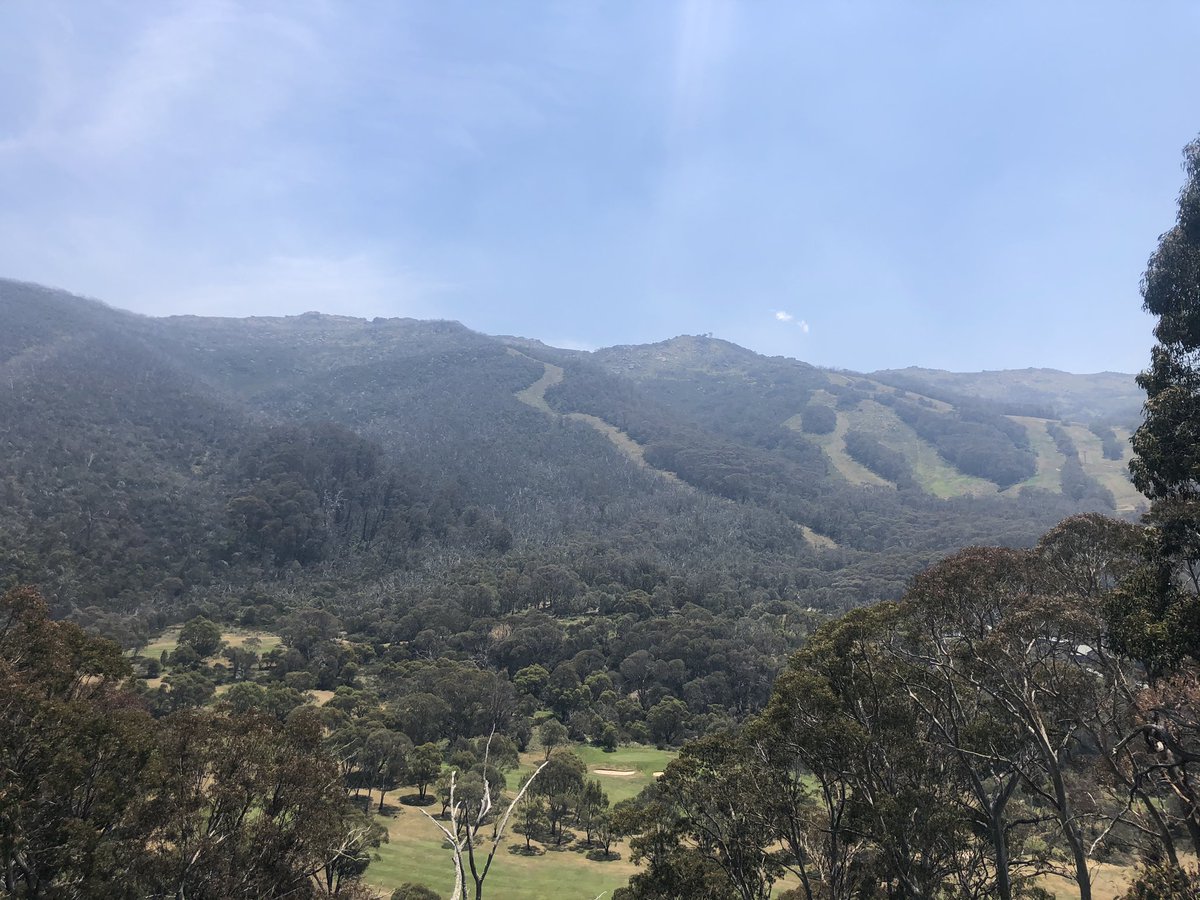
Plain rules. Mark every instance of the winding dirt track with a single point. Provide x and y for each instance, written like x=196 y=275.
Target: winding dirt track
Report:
x=535 y=396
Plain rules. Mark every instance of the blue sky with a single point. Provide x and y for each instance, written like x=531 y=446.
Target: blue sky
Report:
x=864 y=185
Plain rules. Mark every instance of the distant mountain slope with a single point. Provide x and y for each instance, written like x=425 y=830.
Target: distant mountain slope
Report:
x=1105 y=396
x=962 y=451
x=147 y=460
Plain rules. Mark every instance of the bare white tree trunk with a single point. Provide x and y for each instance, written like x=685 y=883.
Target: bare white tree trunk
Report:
x=471 y=830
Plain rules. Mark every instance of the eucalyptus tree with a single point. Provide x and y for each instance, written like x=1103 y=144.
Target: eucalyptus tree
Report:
x=952 y=615
x=714 y=786
x=1166 y=467
x=1025 y=634
x=885 y=790
x=99 y=799
x=1155 y=615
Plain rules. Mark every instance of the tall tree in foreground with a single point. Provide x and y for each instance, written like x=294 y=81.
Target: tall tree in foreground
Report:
x=74 y=755
x=1159 y=616
x=1155 y=616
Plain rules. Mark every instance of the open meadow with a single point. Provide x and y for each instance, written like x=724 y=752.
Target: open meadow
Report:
x=233 y=637
x=416 y=851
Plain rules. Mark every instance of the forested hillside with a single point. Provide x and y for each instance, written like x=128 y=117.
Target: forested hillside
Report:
x=394 y=448
x=1103 y=396
x=440 y=534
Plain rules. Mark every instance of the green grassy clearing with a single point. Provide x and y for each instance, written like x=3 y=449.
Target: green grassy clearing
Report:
x=878 y=388
x=168 y=641
x=941 y=479
x=1112 y=473
x=1109 y=472
x=933 y=473
x=1049 y=460
x=415 y=850
x=834 y=444
x=415 y=853
x=234 y=637
x=627 y=446
x=820 y=541
x=535 y=394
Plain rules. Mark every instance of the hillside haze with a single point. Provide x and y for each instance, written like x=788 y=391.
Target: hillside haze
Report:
x=1103 y=396
x=149 y=458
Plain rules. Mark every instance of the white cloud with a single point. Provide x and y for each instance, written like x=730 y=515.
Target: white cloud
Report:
x=787 y=317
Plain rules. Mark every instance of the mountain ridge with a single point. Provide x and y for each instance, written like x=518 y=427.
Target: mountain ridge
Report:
x=661 y=447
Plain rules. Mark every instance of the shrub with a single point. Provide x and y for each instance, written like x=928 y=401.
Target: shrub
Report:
x=817 y=418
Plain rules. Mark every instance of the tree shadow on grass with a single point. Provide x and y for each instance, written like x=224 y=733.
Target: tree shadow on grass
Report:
x=566 y=841
x=415 y=800
x=522 y=850
x=598 y=855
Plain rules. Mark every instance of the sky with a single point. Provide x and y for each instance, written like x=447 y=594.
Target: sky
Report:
x=856 y=184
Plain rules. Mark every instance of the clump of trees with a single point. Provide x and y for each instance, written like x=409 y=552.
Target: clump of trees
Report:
x=818 y=418
x=99 y=798
x=983 y=731
x=879 y=458
x=976 y=441
x=1111 y=445
x=1076 y=483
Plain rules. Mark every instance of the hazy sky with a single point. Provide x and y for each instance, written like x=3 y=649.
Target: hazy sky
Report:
x=960 y=185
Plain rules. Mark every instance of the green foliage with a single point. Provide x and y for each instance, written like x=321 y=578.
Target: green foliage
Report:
x=560 y=784
x=711 y=792
x=102 y=800
x=272 y=699
x=202 y=636
x=551 y=733
x=817 y=418
x=942 y=743
x=1164 y=882
x=1166 y=443
x=1153 y=618
x=609 y=737
x=879 y=458
x=667 y=720
x=409 y=891
x=182 y=691
x=532 y=679
x=1037 y=393
x=448 y=561
x=1158 y=614
x=1077 y=484
x=399 y=446
x=424 y=766
x=975 y=441
x=1171 y=284
x=1111 y=446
